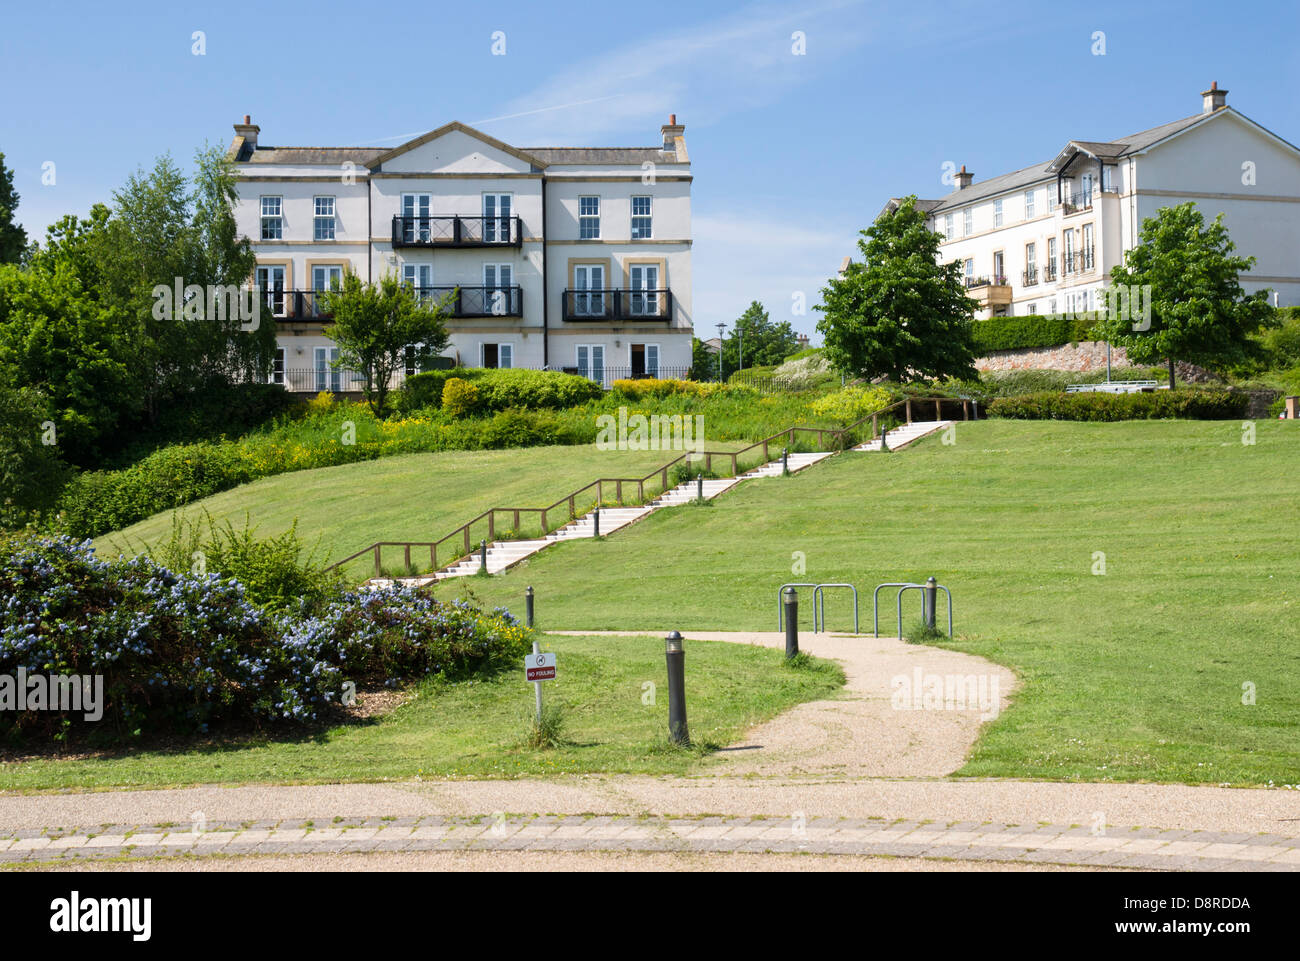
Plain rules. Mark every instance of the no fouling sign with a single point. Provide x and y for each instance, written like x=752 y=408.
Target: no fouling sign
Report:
x=539 y=667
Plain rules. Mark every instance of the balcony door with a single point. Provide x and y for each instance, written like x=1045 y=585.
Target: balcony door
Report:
x=416 y=210
x=589 y=290
x=645 y=289
x=496 y=218
x=645 y=360
x=327 y=376
x=323 y=278
x=497 y=280
x=270 y=279
x=591 y=362
x=419 y=277
x=999 y=274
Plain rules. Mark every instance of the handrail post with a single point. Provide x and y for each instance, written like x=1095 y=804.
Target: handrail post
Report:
x=492 y=525
x=965 y=409
x=433 y=556
x=734 y=469
x=377 y=568
x=516 y=520
x=544 y=527
x=406 y=551
x=467 y=547
x=909 y=410
x=875 y=429
x=572 y=509
x=938 y=411
x=618 y=491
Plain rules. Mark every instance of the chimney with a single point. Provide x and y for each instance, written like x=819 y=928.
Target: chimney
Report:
x=671 y=131
x=1213 y=99
x=963 y=179
x=249 y=131
x=802 y=341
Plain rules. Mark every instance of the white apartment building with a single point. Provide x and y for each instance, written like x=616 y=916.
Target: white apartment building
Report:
x=575 y=259
x=1045 y=238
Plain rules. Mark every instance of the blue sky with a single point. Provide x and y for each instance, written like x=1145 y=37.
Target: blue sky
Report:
x=793 y=154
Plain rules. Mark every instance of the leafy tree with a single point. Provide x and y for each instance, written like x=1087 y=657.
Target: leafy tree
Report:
x=1198 y=310
x=13 y=238
x=763 y=342
x=31 y=472
x=704 y=362
x=899 y=312
x=375 y=325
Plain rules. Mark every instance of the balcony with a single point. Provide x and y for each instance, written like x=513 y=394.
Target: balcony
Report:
x=989 y=292
x=457 y=232
x=289 y=306
x=612 y=304
x=1029 y=276
x=1049 y=272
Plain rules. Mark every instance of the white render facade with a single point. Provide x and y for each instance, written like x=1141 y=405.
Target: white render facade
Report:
x=575 y=259
x=1044 y=239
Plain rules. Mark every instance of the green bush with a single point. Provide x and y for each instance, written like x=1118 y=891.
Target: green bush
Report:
x=1188 y=404
x=459 y=398
x=500 y=389
x=521 y=428
x=1283 y=342
x=850 y=404
x=1029 y=331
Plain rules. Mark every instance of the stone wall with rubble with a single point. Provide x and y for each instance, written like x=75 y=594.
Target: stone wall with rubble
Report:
x=1084 y=356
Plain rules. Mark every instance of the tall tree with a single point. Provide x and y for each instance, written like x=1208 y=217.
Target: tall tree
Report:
x=13 y=238
x=1198 y=311
x=375 y=325
x=755 y=341
x=899 y=312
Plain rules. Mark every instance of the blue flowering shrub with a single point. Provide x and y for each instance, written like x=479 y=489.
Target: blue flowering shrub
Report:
x=184 y=653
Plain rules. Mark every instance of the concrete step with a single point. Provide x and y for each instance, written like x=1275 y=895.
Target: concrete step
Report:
x=900 y=437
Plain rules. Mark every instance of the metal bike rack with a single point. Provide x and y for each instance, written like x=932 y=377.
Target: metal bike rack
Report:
x=819 y=603
x=903 y=586
x=780 y=611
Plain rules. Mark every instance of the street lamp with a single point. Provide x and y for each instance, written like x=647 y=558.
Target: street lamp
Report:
x=720 y=326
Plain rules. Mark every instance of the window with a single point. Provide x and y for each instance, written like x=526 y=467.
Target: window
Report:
x=1029 y=205
x=270 y=280
x=641 y=220
x=1052 y=196
x=645 y=360
x=968 y=222
x=1108 y=178
x=324 y=223
x=497 y=296
x=997 y=213
x=645 y=290
x=272 y=219
x=589 y=290
x=970 y=271
x=1085 y=190
x=947 y=226
x=1051 y=306
x=326 y=277
x=496 y=218
x=419 y=277
x=1087 y=247
x=1031 y=256
x=415 y=218
x=999 y=264
x=1033 y=308
x=498 y=356
x=588 y=218
x=277 y=367
x=328 y=377
x=591 y=362
x=1069 y=251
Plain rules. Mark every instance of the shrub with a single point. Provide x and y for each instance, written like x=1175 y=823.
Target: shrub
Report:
x=1030 y=330
x=1189 y=404
x=521 y=428
x=322 y=403
x=655 y=387
x=850 y=404
x=500 y=389
x=808 y=368
x=1283 y=342
x=459 y=398
x=179 y=652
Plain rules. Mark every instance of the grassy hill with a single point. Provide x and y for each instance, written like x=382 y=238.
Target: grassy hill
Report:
x=1135 y=673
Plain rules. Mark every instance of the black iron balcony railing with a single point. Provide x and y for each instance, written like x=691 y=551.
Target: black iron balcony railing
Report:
x=1049 y=271
x=1077 y=204
x=455 y=231
x=615 y=304
x=478 y=301
x=976 y=282
x=1030 y=276
x=307 y=305
x=1087 y=254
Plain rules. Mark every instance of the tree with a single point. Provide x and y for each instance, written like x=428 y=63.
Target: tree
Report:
x=899 y=312
x=31 y=473
x=704 y=362
x=763 y=342
x=376 y=324
x=1198 y=310
x=13 y=238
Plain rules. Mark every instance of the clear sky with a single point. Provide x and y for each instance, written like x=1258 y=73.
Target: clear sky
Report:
x=793 y=153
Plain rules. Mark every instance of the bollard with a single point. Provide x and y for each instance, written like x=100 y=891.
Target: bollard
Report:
x=699 y=485
x=595 y=516
x=884 y=442
x=482 y=557
x=929 y=597
x=676 y=689
x=785 y=461
x=791 y=601
x=528 y=607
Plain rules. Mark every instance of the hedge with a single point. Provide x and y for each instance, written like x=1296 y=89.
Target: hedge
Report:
x=1031 y=330
x=500 y=389
x=1097 y=406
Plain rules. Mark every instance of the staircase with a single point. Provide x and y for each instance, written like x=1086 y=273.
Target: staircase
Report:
x=900 y=437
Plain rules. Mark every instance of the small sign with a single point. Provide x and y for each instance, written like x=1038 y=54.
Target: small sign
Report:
x=539 y=667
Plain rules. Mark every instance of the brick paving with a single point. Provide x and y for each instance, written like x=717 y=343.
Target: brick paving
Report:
x=1062 y=844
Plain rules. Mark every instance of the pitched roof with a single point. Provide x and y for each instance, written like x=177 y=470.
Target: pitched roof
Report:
x=309 y=155
x=601 y=155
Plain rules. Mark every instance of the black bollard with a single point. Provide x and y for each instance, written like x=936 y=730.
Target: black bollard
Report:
x=791 y=601
x=930 y=597
x=482 y=557
x=785 y=460
x=884 y=441
x=528 y=607
x=699 y=485
x=595 y=516
x=676 y=689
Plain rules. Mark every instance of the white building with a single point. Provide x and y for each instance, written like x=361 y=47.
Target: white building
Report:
x=1045 y=238
x=573 y=259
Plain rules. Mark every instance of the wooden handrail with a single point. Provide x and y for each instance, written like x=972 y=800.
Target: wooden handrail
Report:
x=463 y=532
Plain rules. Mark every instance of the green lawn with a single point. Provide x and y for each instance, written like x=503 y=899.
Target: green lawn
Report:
x=1134 y=674
x=478 y=728
x=416 y=497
